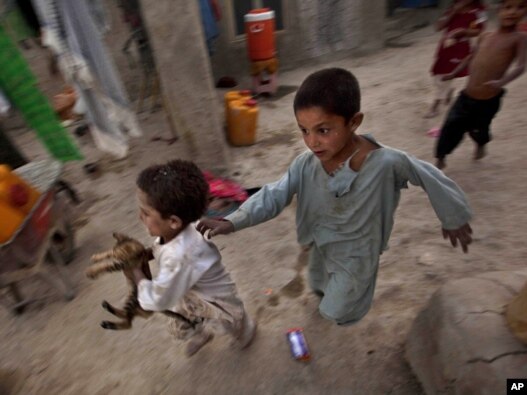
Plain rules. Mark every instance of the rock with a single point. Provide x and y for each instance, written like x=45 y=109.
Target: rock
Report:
x=460 y=343
x=516 y=315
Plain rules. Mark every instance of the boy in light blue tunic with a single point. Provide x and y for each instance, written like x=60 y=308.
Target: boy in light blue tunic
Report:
x=348 y=187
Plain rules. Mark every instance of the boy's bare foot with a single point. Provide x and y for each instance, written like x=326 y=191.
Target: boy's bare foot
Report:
x=440 y=164
x=480 y=152
x=197 y=341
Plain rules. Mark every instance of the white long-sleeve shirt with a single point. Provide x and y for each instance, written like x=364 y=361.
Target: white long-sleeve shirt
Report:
x=187 y=262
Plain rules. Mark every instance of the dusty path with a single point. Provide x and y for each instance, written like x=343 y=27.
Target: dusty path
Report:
x=59 y=348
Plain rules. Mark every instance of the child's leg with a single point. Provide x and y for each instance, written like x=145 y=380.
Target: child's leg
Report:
x=219 y=316
x=450 y=94
x=434 y=110
x=181 y=329
x=244 y=335
x=481 y=137
x=236 y=321
x=196 y=343
x=480 y=152
x=452 y=131
x=317 y=274
x=349 y=292
x=481 y=133
x=442 y=90
x=189 y=322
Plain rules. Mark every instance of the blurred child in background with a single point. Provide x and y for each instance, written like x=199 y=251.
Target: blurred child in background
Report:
x=463 y=20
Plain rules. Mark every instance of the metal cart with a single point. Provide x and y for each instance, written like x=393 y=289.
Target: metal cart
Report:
x=44 y=242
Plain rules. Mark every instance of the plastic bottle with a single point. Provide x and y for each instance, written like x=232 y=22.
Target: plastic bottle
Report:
x=16 y=192
x=243 y=121
x=232 y=96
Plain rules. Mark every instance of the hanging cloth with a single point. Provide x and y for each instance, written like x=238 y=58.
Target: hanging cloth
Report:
x=208 y=21
x=20 y=86
x=76 y=40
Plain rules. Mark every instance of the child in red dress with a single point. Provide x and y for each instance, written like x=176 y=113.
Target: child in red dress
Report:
x=462 y=20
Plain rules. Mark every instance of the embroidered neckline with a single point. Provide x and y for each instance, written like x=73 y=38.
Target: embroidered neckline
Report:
x=339 y=168
x=341 y=165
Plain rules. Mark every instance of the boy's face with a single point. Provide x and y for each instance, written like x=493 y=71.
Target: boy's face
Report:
x=327 y=135
x=512 y=12
x=167 y=228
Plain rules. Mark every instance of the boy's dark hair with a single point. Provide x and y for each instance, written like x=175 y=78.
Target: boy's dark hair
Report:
x=335 y=90
x=175 y=188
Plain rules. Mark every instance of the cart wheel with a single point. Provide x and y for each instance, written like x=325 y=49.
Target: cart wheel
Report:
x=65 y=243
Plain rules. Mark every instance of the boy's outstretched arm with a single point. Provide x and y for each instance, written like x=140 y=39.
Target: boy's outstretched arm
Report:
x=516 y=71
x=264 y=205
x=464 y=63
x=447 y=199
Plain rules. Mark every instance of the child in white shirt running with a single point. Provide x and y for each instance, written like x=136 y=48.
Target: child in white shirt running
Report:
x=191 y=283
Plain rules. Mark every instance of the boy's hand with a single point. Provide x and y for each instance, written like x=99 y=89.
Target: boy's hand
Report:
x=496 y=84
x=447 y=77
x=463 y=234
x=215 y=227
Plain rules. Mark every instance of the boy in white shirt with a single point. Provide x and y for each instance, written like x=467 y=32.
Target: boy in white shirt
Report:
x=191 y=283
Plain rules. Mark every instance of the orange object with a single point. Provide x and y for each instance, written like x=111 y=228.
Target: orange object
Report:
x=10 y=220
x=230 y=97
x=16 y=192
x=259 y=29
x=243 y=120
x=269 y=66
x=264 y=76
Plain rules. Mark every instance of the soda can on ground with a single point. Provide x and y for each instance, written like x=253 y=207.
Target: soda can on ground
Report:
x=298 y=344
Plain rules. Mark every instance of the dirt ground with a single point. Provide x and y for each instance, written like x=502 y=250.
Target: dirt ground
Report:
x=58 y=347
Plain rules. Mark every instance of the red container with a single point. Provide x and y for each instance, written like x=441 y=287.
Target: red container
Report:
x=259 y=29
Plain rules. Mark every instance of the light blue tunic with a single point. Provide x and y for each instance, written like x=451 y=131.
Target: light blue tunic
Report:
x=348 y=218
